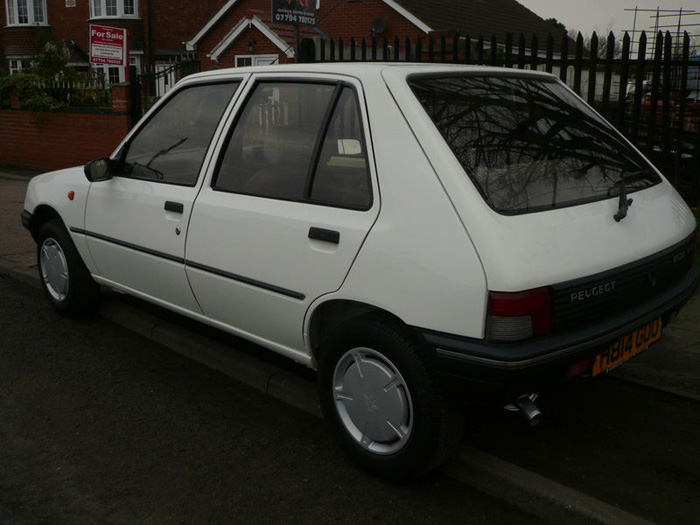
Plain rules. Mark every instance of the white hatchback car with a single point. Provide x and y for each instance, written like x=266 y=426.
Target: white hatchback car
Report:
x=421 y=235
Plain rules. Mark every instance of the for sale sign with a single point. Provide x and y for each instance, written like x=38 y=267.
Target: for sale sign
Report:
x=294 y=12
x=109 y=45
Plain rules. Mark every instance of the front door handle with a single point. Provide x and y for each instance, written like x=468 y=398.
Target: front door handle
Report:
x=321 y=234
x=175 y=207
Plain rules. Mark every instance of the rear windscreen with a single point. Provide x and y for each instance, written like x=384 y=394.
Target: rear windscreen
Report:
x=529 y=144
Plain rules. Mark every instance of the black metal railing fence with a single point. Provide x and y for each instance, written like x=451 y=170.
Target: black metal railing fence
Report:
x=650 y=93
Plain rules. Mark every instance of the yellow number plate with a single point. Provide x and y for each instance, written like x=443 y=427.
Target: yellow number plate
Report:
x=627 y=346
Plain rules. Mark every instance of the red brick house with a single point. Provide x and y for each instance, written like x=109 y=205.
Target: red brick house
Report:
x=242 y=32
x=225 y=33
x=157 y=28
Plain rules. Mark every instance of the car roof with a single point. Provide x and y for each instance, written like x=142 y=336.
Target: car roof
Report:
x=366 y=69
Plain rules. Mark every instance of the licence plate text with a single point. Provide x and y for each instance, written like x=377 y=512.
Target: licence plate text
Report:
x=627 y=346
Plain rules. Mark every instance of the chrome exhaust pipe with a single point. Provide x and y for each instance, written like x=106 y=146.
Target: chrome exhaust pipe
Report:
x=529 y=410
x=526 y=406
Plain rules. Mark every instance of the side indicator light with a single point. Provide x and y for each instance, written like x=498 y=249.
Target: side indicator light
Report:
x=71 y=195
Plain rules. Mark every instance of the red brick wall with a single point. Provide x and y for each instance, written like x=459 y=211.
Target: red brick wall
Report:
x=220 y=30
x=22 y=41
x=70 y=23
x=57 y=140
x=354 y=19
x=262 y=46
x=176 y=21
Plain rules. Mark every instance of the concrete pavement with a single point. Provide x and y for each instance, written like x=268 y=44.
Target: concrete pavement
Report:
x=672 y=365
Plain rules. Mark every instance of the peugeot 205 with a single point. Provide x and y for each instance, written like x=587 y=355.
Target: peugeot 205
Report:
x=423 y=236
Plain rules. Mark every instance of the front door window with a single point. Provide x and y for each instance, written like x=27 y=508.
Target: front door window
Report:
x=171 y=146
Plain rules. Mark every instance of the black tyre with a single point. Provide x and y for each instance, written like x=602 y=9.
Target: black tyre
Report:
x=65 y=278
x=379 y=398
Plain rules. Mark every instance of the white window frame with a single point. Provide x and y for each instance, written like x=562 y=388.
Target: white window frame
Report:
x=258 y=60
x=18 y=65
x=134 y=60
x=12 y=13
x=101 y=12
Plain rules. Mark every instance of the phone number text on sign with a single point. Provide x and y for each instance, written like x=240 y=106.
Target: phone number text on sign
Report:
x=296 y=12
x=295 y=19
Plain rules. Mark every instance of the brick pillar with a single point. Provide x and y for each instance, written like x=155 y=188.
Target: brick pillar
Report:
x=14 y=99
x=121 y=97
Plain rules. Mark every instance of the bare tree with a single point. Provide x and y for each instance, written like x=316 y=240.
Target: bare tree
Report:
x=602 y=33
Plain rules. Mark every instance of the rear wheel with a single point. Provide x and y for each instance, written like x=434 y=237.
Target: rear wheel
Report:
x=64 y=277
x=380 y=400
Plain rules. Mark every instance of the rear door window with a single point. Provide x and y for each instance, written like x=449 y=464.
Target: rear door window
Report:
x=299 y=141
x=529 y=144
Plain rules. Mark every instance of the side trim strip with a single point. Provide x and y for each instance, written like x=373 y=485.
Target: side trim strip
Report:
x=134 y=247
x=221 y=273
x=247 y=280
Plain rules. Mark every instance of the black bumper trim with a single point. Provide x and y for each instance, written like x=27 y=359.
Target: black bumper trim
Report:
x=558 y=345
x=27 y=219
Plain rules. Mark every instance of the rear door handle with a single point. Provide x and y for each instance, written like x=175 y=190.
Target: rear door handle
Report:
x=175 y=207
x=321 y=234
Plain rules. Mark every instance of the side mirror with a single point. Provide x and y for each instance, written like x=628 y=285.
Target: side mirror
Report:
x=97 y=170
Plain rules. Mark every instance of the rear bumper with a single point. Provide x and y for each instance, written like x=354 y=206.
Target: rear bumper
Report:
x=499 y=372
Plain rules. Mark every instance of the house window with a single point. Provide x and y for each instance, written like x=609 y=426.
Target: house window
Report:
x=136 y=62
x=117 y=74
x=113 y=8
x=255 y=60
x=26 y=12
x=113 y=75
x=16 y=66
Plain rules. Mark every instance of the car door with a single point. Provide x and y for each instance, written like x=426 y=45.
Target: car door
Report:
x=290 y=204
x=136 y=222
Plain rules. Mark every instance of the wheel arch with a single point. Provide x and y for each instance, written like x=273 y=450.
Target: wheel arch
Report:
x=42 y=214
x=330 y=314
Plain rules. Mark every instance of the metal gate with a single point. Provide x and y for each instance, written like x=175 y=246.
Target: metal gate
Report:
x=148 y=87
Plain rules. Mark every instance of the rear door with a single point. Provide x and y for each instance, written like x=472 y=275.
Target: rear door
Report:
x=293 y=198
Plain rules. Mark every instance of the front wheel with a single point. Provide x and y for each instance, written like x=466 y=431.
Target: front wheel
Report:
x=380 y=400
x=65 y=279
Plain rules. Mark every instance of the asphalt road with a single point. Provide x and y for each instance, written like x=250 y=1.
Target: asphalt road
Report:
x=631 y=446
x=99 y=425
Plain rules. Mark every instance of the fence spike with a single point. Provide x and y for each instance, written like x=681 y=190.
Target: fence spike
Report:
x=494 y=50
x=592 y=68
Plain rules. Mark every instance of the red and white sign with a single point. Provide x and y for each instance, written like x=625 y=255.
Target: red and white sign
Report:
x=109 y=45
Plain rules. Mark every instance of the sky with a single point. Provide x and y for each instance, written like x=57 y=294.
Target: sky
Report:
x=590 y=15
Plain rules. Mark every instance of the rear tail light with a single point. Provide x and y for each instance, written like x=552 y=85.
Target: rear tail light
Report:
x=517 y=316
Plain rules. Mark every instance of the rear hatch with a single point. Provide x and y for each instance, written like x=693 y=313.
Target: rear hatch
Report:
x=550 y=193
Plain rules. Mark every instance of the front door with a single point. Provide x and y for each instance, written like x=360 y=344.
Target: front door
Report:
x=136 y=222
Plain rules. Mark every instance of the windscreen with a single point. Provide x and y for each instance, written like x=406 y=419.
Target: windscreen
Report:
x=529 y=144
